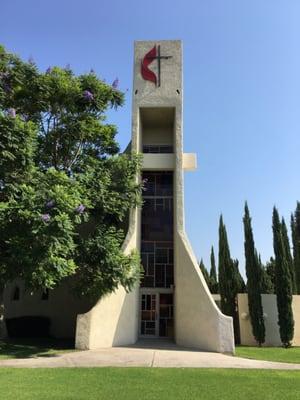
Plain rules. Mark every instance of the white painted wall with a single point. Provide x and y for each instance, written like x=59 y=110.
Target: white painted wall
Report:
x=271 y=317
x=198 y=321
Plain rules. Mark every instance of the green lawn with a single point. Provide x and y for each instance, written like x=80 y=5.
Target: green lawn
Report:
x=291 y=355
x=26 y=348
x=148 y=384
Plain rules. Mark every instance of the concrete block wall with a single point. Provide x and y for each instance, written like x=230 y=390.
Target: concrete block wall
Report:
x=270 y=318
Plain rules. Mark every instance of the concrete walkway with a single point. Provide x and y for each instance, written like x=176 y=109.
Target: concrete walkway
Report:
x=145 y=354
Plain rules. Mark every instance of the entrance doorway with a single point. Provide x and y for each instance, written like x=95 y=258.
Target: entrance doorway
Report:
x=156 y=315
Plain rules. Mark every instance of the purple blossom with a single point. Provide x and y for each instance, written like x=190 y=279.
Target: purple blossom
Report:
x=45 y=217
x=48 y=70
x=115 y=83
x=11 y=112
x=92 y=71
x=80 y=209
x=88 y=95
x=50 y=203
x=4 y=75
x=31 y=60
x=68 y=67
x=6 y=87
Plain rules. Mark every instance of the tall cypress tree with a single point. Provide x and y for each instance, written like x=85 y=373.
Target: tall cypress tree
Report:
x=295 y=227
x=254 y=276
x=214 y=286
x=288 y=255
x=204 y=272
x=241 y=286
x=284 y=293
x=228 y=280
x=270 y=270
x=268 y=277
x=226 y=273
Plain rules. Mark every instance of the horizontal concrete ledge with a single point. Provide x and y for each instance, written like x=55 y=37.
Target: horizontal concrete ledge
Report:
x=189 y=161
x=167 y=161
x=158 y=161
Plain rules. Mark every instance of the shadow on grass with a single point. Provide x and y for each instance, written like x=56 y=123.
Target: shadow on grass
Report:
x=37 y=347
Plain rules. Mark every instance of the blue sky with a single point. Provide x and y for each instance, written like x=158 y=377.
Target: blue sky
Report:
x=241 y=97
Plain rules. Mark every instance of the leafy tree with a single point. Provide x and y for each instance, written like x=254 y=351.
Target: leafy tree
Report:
x=39 y=229
x=17 y=144
x=214 y=286
x=204 y=272
x=284 y=288
x=295 y=228
x=254 y=276
x=65 y=189
x=228 y=279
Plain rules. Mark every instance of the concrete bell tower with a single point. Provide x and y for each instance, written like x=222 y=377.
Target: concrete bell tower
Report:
x=172 y=299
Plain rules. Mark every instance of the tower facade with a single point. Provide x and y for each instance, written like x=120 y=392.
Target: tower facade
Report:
x=172 y=299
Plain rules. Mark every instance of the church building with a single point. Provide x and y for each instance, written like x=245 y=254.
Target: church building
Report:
x=172 y=300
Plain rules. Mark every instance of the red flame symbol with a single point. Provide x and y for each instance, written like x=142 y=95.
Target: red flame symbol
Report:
x=147 y=74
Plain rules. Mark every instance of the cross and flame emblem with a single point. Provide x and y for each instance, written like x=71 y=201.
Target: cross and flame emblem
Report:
x=146 y=72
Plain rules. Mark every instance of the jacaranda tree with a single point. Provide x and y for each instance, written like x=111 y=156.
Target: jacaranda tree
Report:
x=65 y=188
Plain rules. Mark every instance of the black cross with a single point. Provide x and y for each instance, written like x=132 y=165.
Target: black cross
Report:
x=159 y=57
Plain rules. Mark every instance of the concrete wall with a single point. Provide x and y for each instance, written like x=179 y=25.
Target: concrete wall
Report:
x=198 y=321
x=159 y=162
x=158 y=136
x=296 y=312
x=61 y=307
x=113 y=321
x=270 y=318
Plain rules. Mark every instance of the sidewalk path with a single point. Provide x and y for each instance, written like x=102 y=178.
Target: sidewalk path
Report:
x=141 y=355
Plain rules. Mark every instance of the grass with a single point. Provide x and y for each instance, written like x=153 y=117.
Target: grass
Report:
x=279 y=354
x=145 y=383
x=148 y=384
x=27 y=348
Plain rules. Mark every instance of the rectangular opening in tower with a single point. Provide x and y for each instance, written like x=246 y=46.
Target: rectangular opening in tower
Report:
x=157 y=229
x=157 y=254
x=157 y=125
